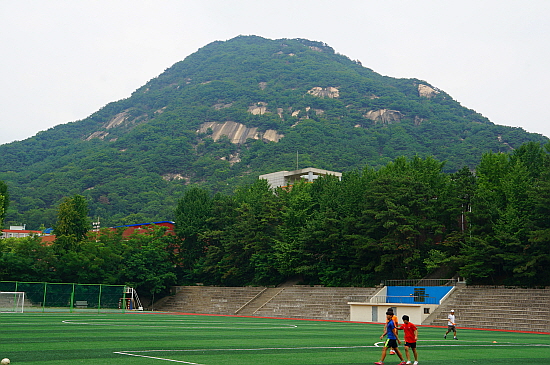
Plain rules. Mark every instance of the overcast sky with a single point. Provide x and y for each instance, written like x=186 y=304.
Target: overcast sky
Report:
x=62 y=60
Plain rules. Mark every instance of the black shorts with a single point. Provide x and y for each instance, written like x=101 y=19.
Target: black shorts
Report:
x=411 y=345
x=451 y=328
x=392 y=343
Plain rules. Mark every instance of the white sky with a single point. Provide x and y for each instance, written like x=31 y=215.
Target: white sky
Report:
x=62 y=60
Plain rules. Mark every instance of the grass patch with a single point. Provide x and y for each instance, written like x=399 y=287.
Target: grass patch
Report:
x=146 y=338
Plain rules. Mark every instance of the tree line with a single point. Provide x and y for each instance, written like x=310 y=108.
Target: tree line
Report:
x=144 y=260
x=408 y=219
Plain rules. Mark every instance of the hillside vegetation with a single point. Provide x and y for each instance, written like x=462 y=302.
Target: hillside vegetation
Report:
x=135 y=158
x=408 y=219
x=405 y=220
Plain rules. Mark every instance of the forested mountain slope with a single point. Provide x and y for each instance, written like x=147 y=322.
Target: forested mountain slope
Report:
x=230 y=112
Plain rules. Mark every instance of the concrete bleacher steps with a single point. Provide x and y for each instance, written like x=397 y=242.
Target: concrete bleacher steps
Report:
x=292 y=302
x=209 y=299
x=498 y=308
x=250 y=308
x=476 y=307
x=314 y=302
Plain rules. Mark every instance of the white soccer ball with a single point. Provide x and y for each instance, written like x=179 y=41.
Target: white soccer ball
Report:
x=5 y=361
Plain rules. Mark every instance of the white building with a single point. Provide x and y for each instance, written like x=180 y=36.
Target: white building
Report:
x=286 y=178
x=18 y=232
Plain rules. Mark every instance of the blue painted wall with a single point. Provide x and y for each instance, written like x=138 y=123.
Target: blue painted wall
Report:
x=413 y=294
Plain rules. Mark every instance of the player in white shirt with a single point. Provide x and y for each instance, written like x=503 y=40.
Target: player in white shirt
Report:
x=451 y=324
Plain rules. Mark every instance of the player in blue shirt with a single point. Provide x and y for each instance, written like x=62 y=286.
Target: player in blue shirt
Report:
x=391 y=341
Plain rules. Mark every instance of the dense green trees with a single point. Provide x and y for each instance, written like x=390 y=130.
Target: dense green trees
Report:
x=142 y=159
x=148 y=261
x=407 y=219
x=144 y=260
x=191 y=213
x=4 y=201
x=506 y=218
x=72 y=222
x=135 y=158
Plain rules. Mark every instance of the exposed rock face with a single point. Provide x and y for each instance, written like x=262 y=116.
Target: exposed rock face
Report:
x=122 y=118
x=499 y=137
x=427 y=91
x=98 y=134
x=117 y=120
x=233 y=159
x=272 y=135
x=384 y=116
x=326 y=92
x=258 y=108
x=222 y=106
x=238 y=133
x=418 y=121
x=171 y=177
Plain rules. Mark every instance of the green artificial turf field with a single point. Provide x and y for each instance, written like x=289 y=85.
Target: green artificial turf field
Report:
x=150 y=338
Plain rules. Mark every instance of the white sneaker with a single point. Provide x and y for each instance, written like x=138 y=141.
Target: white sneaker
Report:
x=408 y=362
x=415 y=363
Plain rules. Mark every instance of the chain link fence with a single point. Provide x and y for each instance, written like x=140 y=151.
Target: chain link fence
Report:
x=70 y=297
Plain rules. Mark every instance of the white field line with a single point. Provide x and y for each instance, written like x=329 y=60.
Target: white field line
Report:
x=472 y=344
x=157 y=358
x=375 y=345
x=203 y=325
x=254 y=349
x=137 y=353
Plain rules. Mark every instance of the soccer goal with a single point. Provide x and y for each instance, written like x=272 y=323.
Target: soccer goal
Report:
x=12 y=301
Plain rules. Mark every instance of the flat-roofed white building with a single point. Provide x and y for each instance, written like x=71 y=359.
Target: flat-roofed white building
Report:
x=18 y=232
x=286 y=178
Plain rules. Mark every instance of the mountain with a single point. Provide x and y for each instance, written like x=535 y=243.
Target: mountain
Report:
x=230 y=112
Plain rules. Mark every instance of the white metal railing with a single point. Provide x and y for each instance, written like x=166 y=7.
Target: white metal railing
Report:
x=250 y=301
x=411 y=299
x=422 y=282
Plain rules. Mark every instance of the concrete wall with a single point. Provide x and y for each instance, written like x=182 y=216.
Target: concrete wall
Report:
x=376 y=312
x=416 y=302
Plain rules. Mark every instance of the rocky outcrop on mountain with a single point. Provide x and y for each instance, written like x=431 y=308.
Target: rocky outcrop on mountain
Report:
x=219 y=106
x=97 y=134
x=384 y=116
x=121 y=119
x=238 y=133
x=324 y=92
x=258 y=108
x=427 y=91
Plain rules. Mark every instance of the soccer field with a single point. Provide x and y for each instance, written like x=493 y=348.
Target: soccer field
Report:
x=151 y=338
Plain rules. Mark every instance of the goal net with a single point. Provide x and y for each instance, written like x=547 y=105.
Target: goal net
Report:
x=12 y=301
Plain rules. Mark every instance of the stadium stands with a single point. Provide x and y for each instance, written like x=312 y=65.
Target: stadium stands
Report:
x=292 y=302
x=314 y=302
x=476 y=307
x=208 y=299
x=497 y=308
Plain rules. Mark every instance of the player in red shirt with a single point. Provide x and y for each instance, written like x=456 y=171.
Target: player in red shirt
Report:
x=411 y=336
